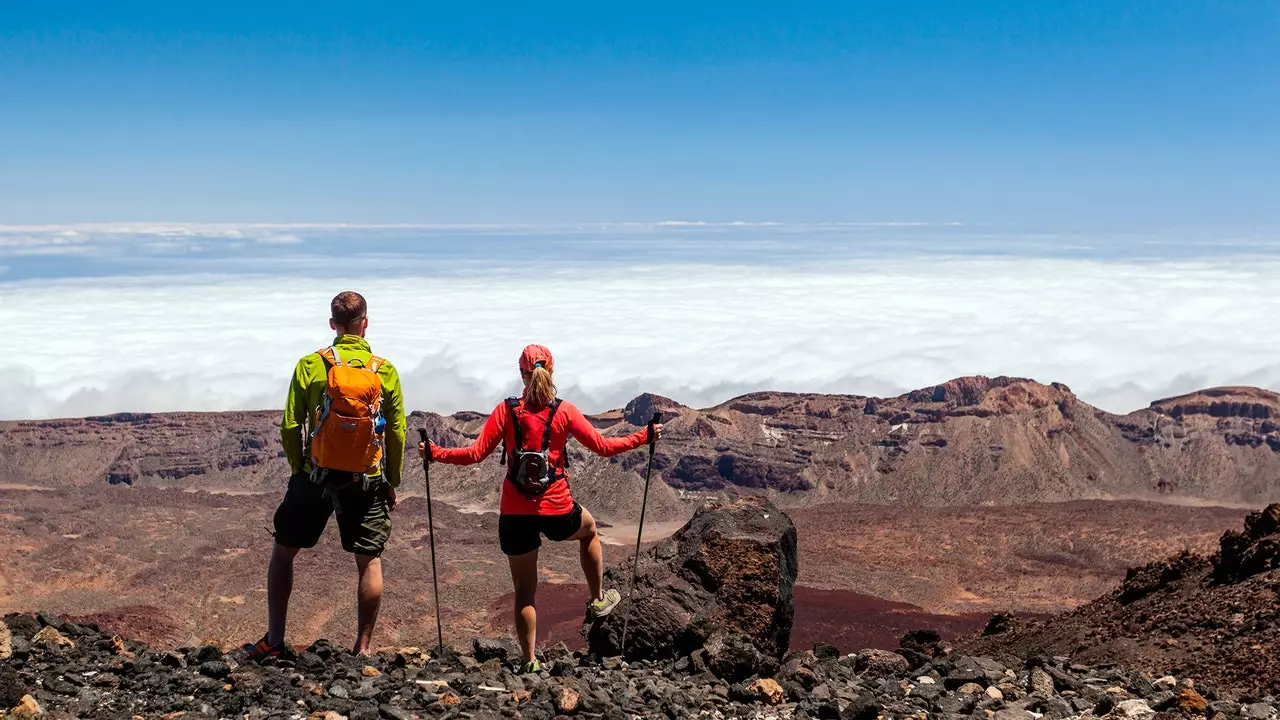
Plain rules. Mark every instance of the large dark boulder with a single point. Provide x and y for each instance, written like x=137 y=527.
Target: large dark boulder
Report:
x=1252 y=552
x=731 y=569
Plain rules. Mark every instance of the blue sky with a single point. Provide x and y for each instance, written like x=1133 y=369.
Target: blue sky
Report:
x=1049 y=115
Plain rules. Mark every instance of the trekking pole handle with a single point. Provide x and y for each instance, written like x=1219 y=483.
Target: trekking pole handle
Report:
x=653 y=436
x=422 y=435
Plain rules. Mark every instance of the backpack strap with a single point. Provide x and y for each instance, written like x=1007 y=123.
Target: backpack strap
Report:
x=375 y=362
x=512 y=403
x=546 y=434
x=330 y=355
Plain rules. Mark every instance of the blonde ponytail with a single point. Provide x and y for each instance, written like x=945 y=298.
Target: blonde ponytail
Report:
x=541 y=390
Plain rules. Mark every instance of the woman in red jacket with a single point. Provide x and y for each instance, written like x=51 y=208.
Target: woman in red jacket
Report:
x=535 y=496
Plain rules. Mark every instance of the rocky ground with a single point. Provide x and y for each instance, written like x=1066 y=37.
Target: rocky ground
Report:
x=63 y=670
x=109 y=555
x=1215 y=618
x=711 y=637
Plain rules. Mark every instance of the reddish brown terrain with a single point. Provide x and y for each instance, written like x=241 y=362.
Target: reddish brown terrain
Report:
x=972 y=441
x=1213 y=617
x=936 y=507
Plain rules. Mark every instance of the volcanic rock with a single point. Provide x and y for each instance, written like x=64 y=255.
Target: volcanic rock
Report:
x=880 y=663
x=1253 y=551
x=1207 y=618
x=730 y=569
x=457 y=686
x=11 y=687
x=50 y=639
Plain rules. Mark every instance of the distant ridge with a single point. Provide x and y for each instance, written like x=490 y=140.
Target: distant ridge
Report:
x=970 y=441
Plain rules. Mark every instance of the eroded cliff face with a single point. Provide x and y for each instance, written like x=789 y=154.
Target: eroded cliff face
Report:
x=972 y=440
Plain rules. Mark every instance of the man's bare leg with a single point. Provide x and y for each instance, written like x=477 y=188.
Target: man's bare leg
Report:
x=368 y=601
x=279 y=589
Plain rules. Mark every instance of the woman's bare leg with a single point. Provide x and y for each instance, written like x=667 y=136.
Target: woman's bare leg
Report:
x=591 y=555
x=524 y=578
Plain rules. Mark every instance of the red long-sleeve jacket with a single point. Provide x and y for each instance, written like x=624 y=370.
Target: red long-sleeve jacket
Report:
x=569 y=420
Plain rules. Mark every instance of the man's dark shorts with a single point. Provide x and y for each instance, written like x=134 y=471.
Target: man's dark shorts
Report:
x=364 y=521
x=520 y=534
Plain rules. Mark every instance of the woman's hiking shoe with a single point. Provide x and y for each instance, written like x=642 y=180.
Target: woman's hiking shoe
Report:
x=263 y=649
x=600 y=608
x=531 y=667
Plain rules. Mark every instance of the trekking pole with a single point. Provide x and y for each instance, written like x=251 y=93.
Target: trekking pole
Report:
x=431 y=527
x=635 y=563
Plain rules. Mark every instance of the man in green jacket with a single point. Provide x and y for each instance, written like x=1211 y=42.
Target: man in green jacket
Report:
x=362 y=502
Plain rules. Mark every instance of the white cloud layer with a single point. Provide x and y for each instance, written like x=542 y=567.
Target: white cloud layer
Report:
x=1120 y=334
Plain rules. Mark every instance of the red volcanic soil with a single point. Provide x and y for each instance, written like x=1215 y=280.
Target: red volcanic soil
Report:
x=848 y=620
x=852 y=622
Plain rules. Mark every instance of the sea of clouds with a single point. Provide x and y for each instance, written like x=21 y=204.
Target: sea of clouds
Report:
x=168 y=334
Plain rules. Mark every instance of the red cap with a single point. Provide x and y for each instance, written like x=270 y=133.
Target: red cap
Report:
x=536 y=355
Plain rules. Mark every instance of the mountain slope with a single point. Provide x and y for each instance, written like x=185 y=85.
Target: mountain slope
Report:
x=976 y=440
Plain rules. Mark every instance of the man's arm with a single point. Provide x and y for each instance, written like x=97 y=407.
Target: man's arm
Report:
x=393 y=411
x=295 y=418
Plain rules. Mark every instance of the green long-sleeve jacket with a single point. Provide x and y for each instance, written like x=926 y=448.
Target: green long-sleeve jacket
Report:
x=306 y=394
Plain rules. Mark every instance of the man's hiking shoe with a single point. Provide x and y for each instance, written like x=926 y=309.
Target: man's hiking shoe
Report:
x=531 y=667
x=262 y=649
x=600 y=608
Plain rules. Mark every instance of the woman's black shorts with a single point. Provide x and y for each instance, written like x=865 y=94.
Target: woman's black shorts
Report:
x=519 y=534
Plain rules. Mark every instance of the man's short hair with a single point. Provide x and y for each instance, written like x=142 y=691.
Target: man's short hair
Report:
x=347 y=308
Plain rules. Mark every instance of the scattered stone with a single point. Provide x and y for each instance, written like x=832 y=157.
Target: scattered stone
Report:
x=1168 y=682
x=27 y=707
x=766 y=690
x=1257 y=711
x=208 y=653
x=863 y=707
x=50 y=639
x=729 y=677
x=566 y=700
x=880 y=663
x=734 y=658
x=1041 y=683
x=215 y=669
x=6 y=642
x=11 y=688
x=1190 y=701
x=503 y=649
x=823 y=651
x=1133 y=709
x=391 y=712
x=118 y=647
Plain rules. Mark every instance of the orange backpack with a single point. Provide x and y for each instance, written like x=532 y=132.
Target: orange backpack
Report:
x=349 y=423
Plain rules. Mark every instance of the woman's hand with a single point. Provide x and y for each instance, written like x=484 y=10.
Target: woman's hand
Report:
x=657 y=431
x=422 y=450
